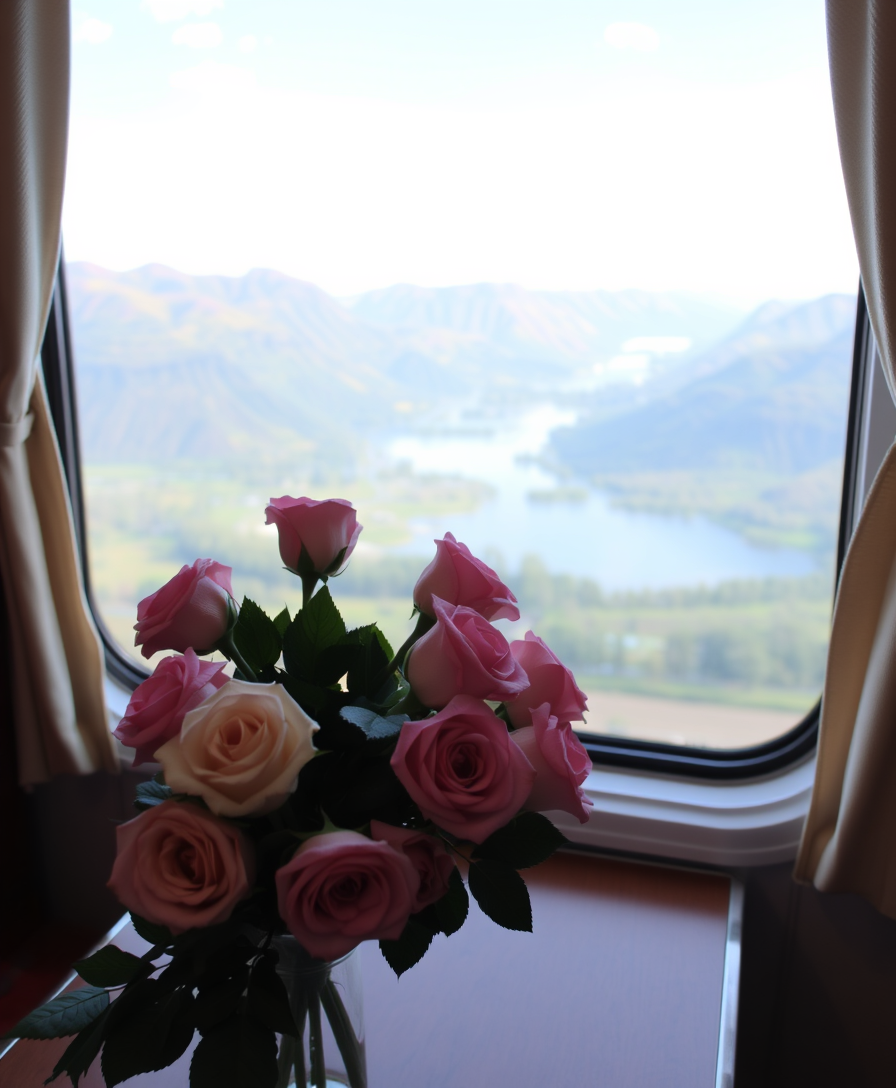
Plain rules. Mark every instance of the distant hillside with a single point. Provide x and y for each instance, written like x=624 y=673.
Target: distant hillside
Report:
x=569 y=327
x=172 y=366
x=772 y=396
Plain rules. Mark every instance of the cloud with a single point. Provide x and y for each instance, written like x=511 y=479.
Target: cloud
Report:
x=169 y=11
x=248 y=43
x=637 y=36
x=90 y=30
x=198 y=35
x=214 y=81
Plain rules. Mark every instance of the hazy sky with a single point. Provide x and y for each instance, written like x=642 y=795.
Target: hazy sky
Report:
x=562 y=144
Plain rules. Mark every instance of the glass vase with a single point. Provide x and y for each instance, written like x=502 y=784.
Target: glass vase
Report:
x=327 y=1006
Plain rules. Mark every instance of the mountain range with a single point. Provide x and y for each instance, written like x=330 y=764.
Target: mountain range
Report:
x=172 y=366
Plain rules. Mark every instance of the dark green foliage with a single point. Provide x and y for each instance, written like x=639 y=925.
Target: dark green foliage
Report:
x=502 y=894
x=149 y=1027
x=149 y=931
x=257 y=637
x=267 y=999
x=281 y=621
x=526 y=841
x=238 y=1052
x=452 y=909
x=317 y=627
x=110 y=966
x=151 y=793
x=81 y=1052
x=410 y=948
x=371 y=724
x=64 y=1015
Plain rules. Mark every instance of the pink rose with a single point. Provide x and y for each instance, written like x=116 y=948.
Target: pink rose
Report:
x=550 y=681
x=462 y=655
x=462 y=770
x=458 y=577
x=158 y=705
x=429 y=857
x=341 y=888
x=241 y=750
x=561 y=765
x=327 y=530
x=181 y=867
x=192 y=611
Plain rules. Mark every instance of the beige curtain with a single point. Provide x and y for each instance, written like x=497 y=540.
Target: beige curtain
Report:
x=849 y=843
x=57 y=668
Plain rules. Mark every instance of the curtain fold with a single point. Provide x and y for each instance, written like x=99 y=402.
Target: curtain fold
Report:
x=57 y=664
x=849 y=842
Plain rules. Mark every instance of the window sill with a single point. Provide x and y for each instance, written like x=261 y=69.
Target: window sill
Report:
x=729 y=824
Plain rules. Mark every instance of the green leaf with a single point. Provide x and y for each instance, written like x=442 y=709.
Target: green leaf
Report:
x=216 y=1003
x=81 y=1052
x=316 y=627
x=453 y=907
x=502 y=894
x=410 y=948
x=371 y=660
x=64 y=1015
x=239 y=1052
x=149 y=1028
x=151 y=793
x=268 y=1000
x=256 y=636
x=526 y=841
x=150 y=931
x=111 y=967
x=310 y=697
x=373 y=725
x=281 y=621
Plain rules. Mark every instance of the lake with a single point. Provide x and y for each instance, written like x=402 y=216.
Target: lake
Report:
x=620 y=549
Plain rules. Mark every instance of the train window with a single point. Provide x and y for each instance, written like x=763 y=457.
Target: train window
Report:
x=572 y=280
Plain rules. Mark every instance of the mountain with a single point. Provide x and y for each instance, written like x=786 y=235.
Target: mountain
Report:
x=172 y=366
x=772 y=396
x=573 y=328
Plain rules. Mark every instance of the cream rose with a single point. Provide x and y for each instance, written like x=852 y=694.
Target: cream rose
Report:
x=241 y=750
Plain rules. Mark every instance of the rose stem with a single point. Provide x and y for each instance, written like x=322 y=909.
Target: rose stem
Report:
x=286 y=1060
x=424 y=623
x=228 y=648
x=344 y=1035
x=316 y=1043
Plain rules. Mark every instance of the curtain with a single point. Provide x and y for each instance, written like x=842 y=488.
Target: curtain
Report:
x=56 y=659
x=849 y=842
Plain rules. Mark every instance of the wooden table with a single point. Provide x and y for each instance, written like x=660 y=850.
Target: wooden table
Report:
x=628 y=981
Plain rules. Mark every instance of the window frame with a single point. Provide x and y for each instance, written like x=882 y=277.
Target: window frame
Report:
x=642 y=757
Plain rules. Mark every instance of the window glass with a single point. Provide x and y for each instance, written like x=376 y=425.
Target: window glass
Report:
x=572 y=280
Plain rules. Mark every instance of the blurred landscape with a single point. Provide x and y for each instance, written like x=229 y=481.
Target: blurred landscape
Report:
x=656 y=475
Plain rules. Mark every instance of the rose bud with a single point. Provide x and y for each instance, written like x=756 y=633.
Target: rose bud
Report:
x=462 y=770
x=341 y=888
x=192 y=611
x=458 y=577
x=561 y=765
x=550 y=681
x=326 y=531
x=179 y=866
x=241 y=750
x=157 y=707
x=462 y=655
x=429 y=857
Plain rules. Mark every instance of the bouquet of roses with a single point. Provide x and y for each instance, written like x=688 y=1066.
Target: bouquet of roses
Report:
x=326 y=791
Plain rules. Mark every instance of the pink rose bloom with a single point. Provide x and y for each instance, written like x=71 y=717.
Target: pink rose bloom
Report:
x=458 y=577
x=462 y=655
x=192 y=611
x=241 y=750
x=462 y=770
x=341 y=888
x=158 y=705
x=561 y=765
x=327 y=530
x=429 y=857
x=550 y=681
x=181 y=867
